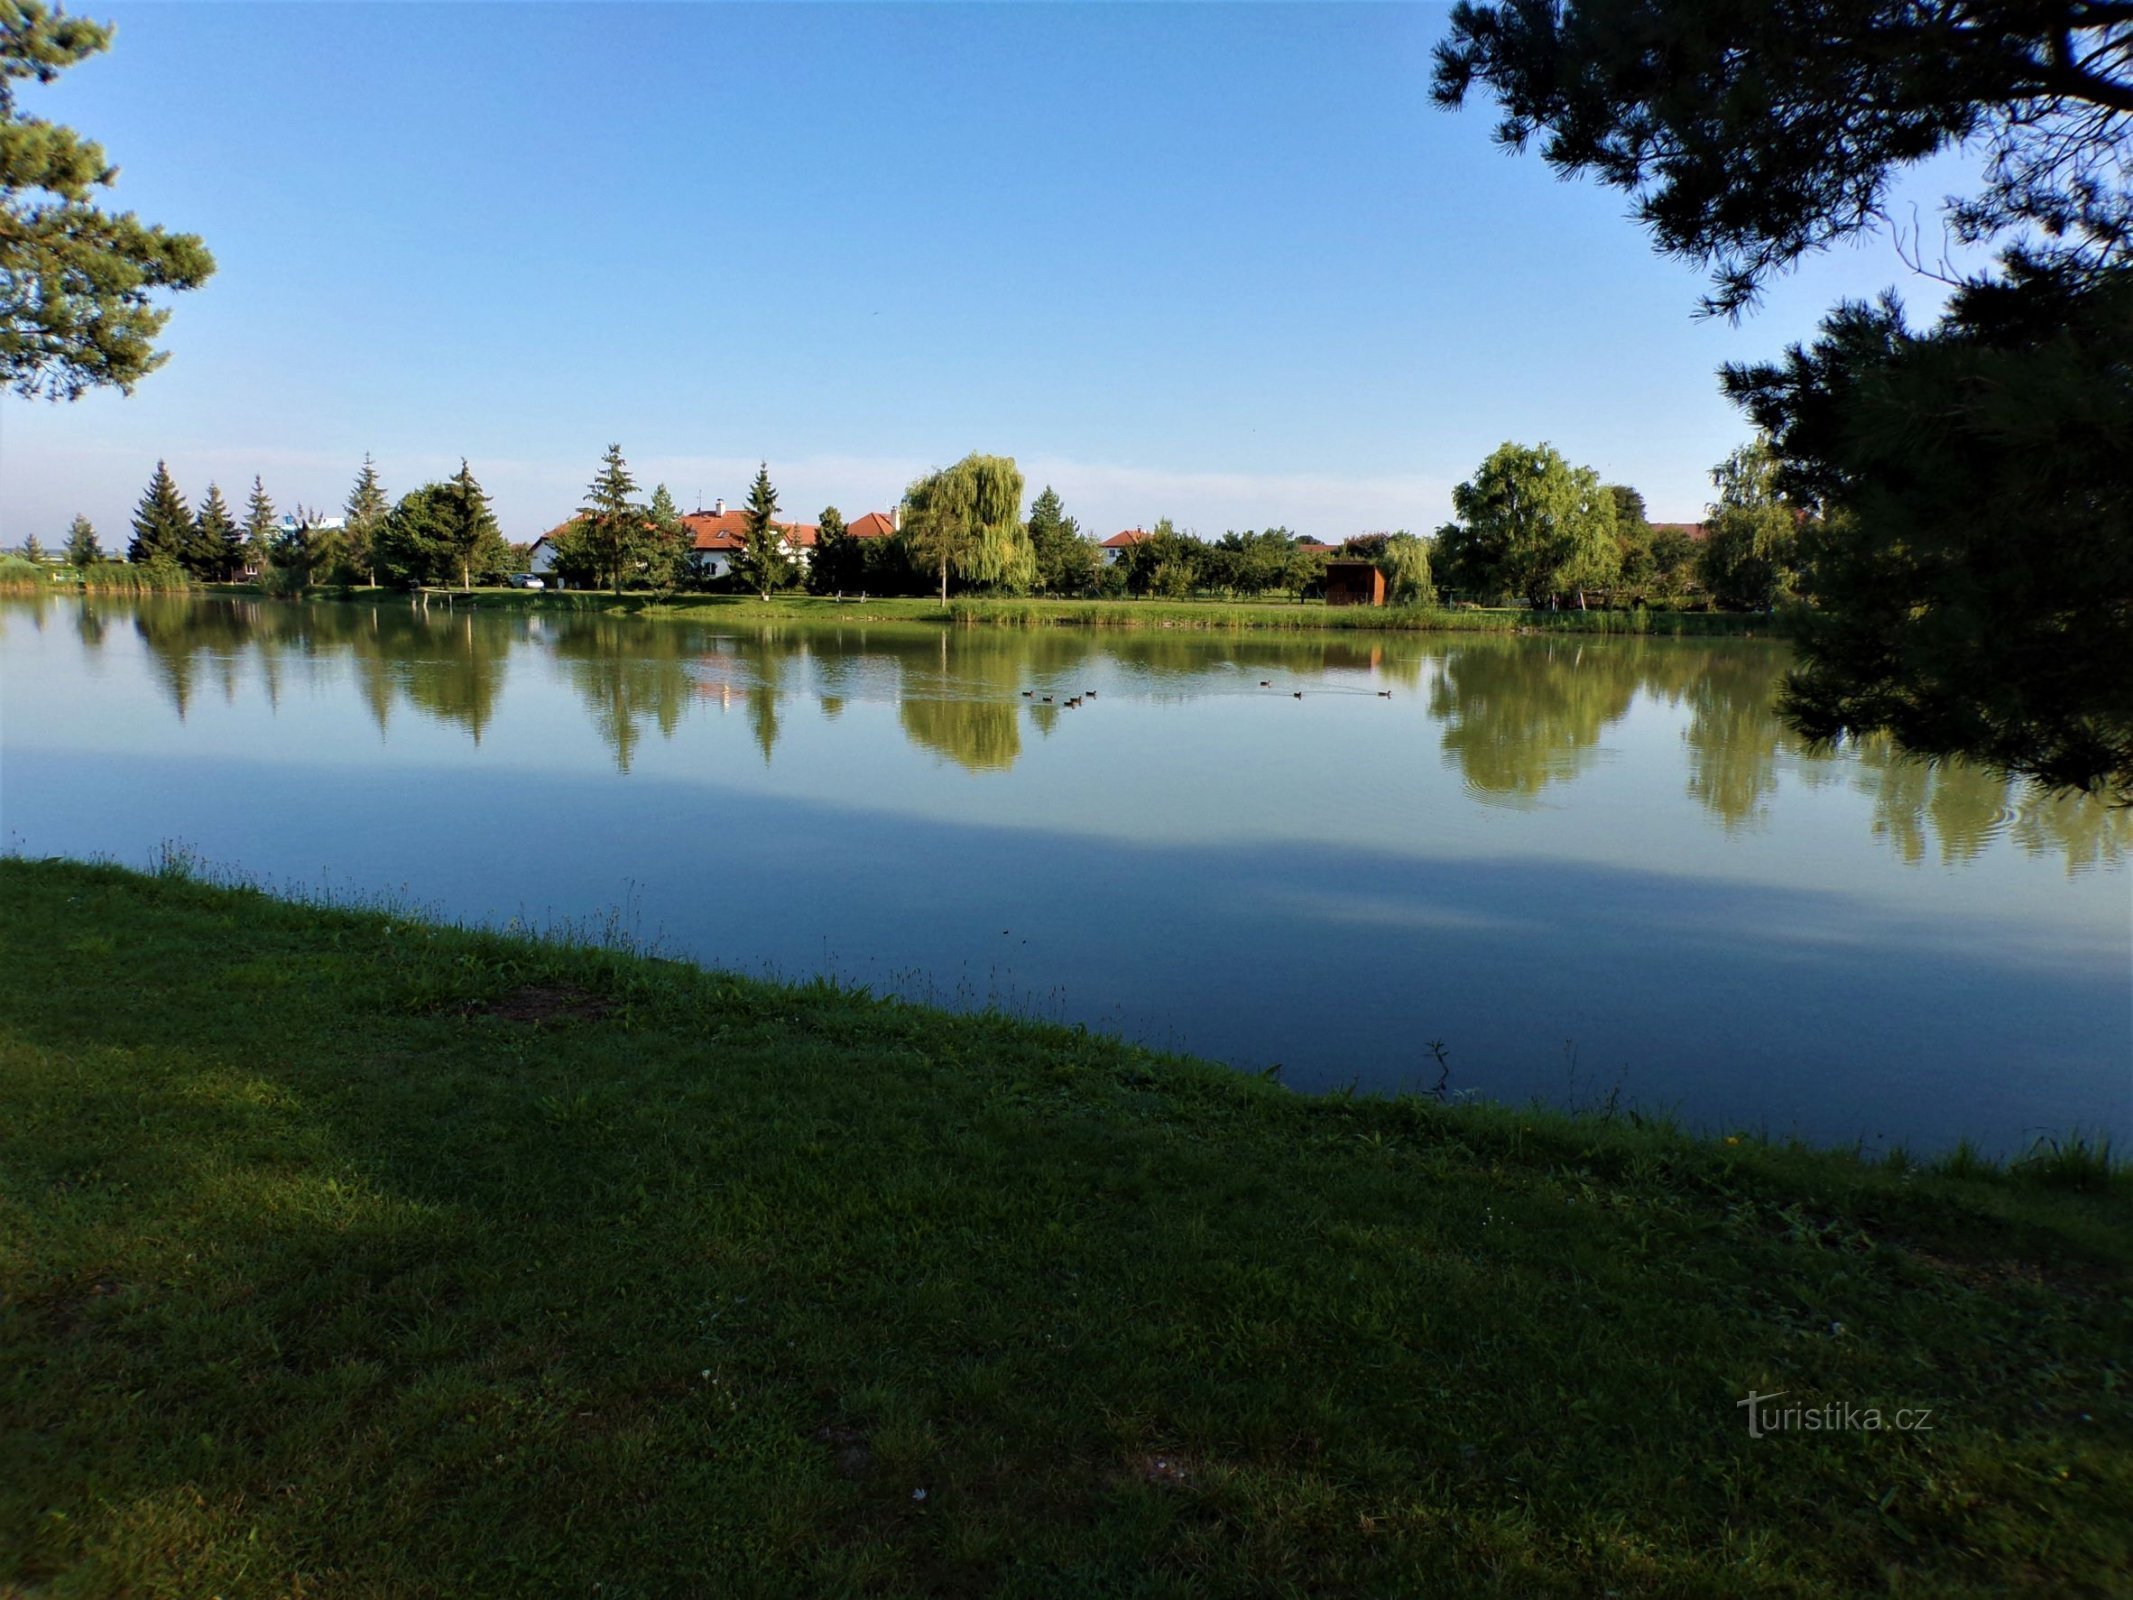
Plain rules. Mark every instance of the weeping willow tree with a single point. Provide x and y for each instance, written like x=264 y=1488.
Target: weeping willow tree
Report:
x=968 y=518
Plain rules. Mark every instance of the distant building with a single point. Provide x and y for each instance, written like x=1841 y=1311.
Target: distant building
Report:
x=717 y=536
x=1354 y=583
x=1119 y=543
x=1695 y=530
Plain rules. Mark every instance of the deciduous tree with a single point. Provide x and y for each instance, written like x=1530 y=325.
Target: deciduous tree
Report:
x=967 y=519
x=440 y=532
x=1530 y=524
x=76 y=283
x=1750 y=555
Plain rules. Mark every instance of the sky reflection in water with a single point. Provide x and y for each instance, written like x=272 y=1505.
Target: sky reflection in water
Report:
x=1588 y=866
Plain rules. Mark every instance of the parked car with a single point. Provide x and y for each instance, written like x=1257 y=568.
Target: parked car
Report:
x=525 y=580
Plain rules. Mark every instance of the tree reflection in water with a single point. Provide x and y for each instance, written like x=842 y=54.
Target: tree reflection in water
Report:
x=1517 y=715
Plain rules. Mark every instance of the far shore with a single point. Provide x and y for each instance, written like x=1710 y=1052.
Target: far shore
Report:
x=1284 y=616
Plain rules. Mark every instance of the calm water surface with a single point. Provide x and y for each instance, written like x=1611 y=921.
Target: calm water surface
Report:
x=1588 y=867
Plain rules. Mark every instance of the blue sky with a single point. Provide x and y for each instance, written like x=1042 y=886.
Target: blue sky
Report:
x=1218 y=263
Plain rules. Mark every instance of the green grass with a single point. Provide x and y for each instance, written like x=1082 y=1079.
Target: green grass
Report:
x=342 y=1254
x=1213 y=615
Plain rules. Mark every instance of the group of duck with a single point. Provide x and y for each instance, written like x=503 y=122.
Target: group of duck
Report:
x=1268 y=683
x=1090 y=694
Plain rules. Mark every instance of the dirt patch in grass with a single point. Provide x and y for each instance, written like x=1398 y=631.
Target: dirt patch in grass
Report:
x=544 y=1004
x=854 y=1456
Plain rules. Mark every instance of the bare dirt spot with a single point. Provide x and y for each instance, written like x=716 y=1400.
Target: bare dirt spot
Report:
x=540 y=1003
x=853 y=1456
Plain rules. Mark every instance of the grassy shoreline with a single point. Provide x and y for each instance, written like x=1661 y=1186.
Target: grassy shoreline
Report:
x=343 y=1253
x=1184 y=615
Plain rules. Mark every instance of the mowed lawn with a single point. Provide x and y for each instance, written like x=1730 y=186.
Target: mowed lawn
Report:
x=346 y=1255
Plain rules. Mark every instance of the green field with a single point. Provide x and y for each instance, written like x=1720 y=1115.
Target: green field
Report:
x=342 y=1254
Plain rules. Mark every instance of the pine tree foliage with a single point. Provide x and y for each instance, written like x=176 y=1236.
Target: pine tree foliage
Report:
x=837 y=561
x=667 y=552
x=1971 y=485
x=441 y=533
x=1066 y=563
x=765 y=559
x=614 y=530
x=77 y=284
x=1971 y=559
x=162 y=523
x=470 y=530
x=82 y=548
x=365 y=515
x=217 y=546
x=260 y=527
x=1751 y=132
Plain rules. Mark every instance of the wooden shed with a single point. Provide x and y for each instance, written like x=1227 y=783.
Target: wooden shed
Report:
x=1354 y=583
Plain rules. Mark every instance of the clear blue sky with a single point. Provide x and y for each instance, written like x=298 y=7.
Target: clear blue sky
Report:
x=1218 y=263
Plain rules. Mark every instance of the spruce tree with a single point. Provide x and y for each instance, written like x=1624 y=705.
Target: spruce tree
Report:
x=471 y=532
x=83 y=551
x=260 y=527
x=830 y=571
x=669 y=542
x=1066 y=562
x=616 y=531
x=765 y=557
x=367 y=509
x=162 y=523
x=217 y=546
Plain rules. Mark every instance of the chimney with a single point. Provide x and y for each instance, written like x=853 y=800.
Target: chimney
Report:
x=896 y=518
x=718 y=508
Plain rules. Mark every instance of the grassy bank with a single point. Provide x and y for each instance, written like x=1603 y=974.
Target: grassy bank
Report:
x=1211 y=615
x=342 y=1254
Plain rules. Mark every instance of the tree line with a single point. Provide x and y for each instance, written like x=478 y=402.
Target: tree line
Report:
x=1529 y=528
x=441 y=533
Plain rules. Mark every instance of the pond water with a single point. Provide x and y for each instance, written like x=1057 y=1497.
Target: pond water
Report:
x=1589 y=868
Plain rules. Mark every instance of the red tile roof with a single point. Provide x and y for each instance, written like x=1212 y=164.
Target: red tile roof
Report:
x=1314 y=548
x=1126 y=540
x=713 y=530
x=874 y=525
x=1695 y=530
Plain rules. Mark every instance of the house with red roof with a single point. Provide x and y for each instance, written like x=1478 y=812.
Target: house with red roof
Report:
x=1119 y=543
x=717 y=536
